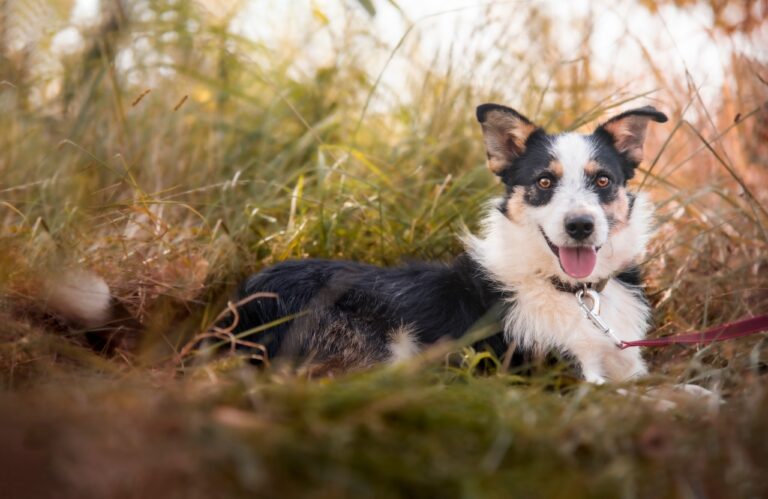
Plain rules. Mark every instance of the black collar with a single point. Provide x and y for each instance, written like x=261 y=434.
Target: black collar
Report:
x=566 y=287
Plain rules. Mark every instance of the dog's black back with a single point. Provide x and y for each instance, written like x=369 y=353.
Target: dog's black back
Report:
x=351 y=313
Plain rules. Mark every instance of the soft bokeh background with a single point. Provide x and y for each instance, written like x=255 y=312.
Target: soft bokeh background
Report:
x=175 y=146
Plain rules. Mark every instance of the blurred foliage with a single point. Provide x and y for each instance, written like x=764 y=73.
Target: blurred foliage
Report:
x=731 y=17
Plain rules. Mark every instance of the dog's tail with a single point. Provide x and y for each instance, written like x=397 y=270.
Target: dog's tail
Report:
x=78 y=296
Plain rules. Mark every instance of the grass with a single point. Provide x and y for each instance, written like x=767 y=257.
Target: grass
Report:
x=211 y=155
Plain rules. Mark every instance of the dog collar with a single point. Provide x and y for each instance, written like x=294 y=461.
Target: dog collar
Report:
x=566 y=287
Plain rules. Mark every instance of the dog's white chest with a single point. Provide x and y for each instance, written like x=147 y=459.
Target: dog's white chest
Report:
x=544 y=318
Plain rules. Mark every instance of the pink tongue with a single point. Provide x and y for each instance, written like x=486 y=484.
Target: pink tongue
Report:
x=578 y=262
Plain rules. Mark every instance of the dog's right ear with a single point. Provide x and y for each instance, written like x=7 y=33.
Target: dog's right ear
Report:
x=505 y=132
x=627 y=130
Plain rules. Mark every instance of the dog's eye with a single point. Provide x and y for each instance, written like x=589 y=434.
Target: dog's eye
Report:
x=603 y=181
x=544 y=182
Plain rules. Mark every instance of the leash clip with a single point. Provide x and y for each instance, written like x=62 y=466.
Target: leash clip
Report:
x=593 y=313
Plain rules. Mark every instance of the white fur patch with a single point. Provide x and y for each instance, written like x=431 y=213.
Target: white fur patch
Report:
x=573 y=151
x=516 y=255
x=403 y=344
x=79 y=296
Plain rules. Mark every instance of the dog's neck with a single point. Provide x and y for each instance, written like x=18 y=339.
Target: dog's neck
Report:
x=567 y=287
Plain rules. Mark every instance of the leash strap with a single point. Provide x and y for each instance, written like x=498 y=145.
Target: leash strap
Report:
x=738 y=329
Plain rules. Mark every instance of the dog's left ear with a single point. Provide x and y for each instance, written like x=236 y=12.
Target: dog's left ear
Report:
x=627 y=130
x=505 y=132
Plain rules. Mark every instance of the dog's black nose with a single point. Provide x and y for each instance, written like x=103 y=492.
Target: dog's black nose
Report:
x=580 y=227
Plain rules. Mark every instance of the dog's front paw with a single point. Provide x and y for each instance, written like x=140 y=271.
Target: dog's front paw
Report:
x=594 y=378
x=670 y=397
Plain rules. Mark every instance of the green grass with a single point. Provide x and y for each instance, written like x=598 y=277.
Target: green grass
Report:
x=244 y=153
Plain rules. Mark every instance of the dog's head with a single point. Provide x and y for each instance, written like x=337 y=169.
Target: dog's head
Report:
x=568 y=190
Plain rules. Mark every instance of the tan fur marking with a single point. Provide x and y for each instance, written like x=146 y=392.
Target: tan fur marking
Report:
x=557 y=168
x=516 y=204
x=618 y=210
x=496 y=164
x=591 y=168
x=521 y=133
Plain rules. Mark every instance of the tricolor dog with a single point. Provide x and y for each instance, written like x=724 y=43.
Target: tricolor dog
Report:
x=565 y=223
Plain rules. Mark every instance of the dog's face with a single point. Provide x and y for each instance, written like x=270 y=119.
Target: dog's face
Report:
x=568 y=190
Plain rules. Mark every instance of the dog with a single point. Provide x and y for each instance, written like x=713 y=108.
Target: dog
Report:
x=566 y=223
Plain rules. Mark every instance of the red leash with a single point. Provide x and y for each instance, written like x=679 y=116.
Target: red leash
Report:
x=738 y=329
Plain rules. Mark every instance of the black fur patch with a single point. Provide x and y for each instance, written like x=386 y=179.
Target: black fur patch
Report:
x=526 y=169
x=607 y=156
x=632 y=277
x=341 y=309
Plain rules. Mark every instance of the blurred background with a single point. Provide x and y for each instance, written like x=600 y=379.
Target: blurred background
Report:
x=175 y=146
